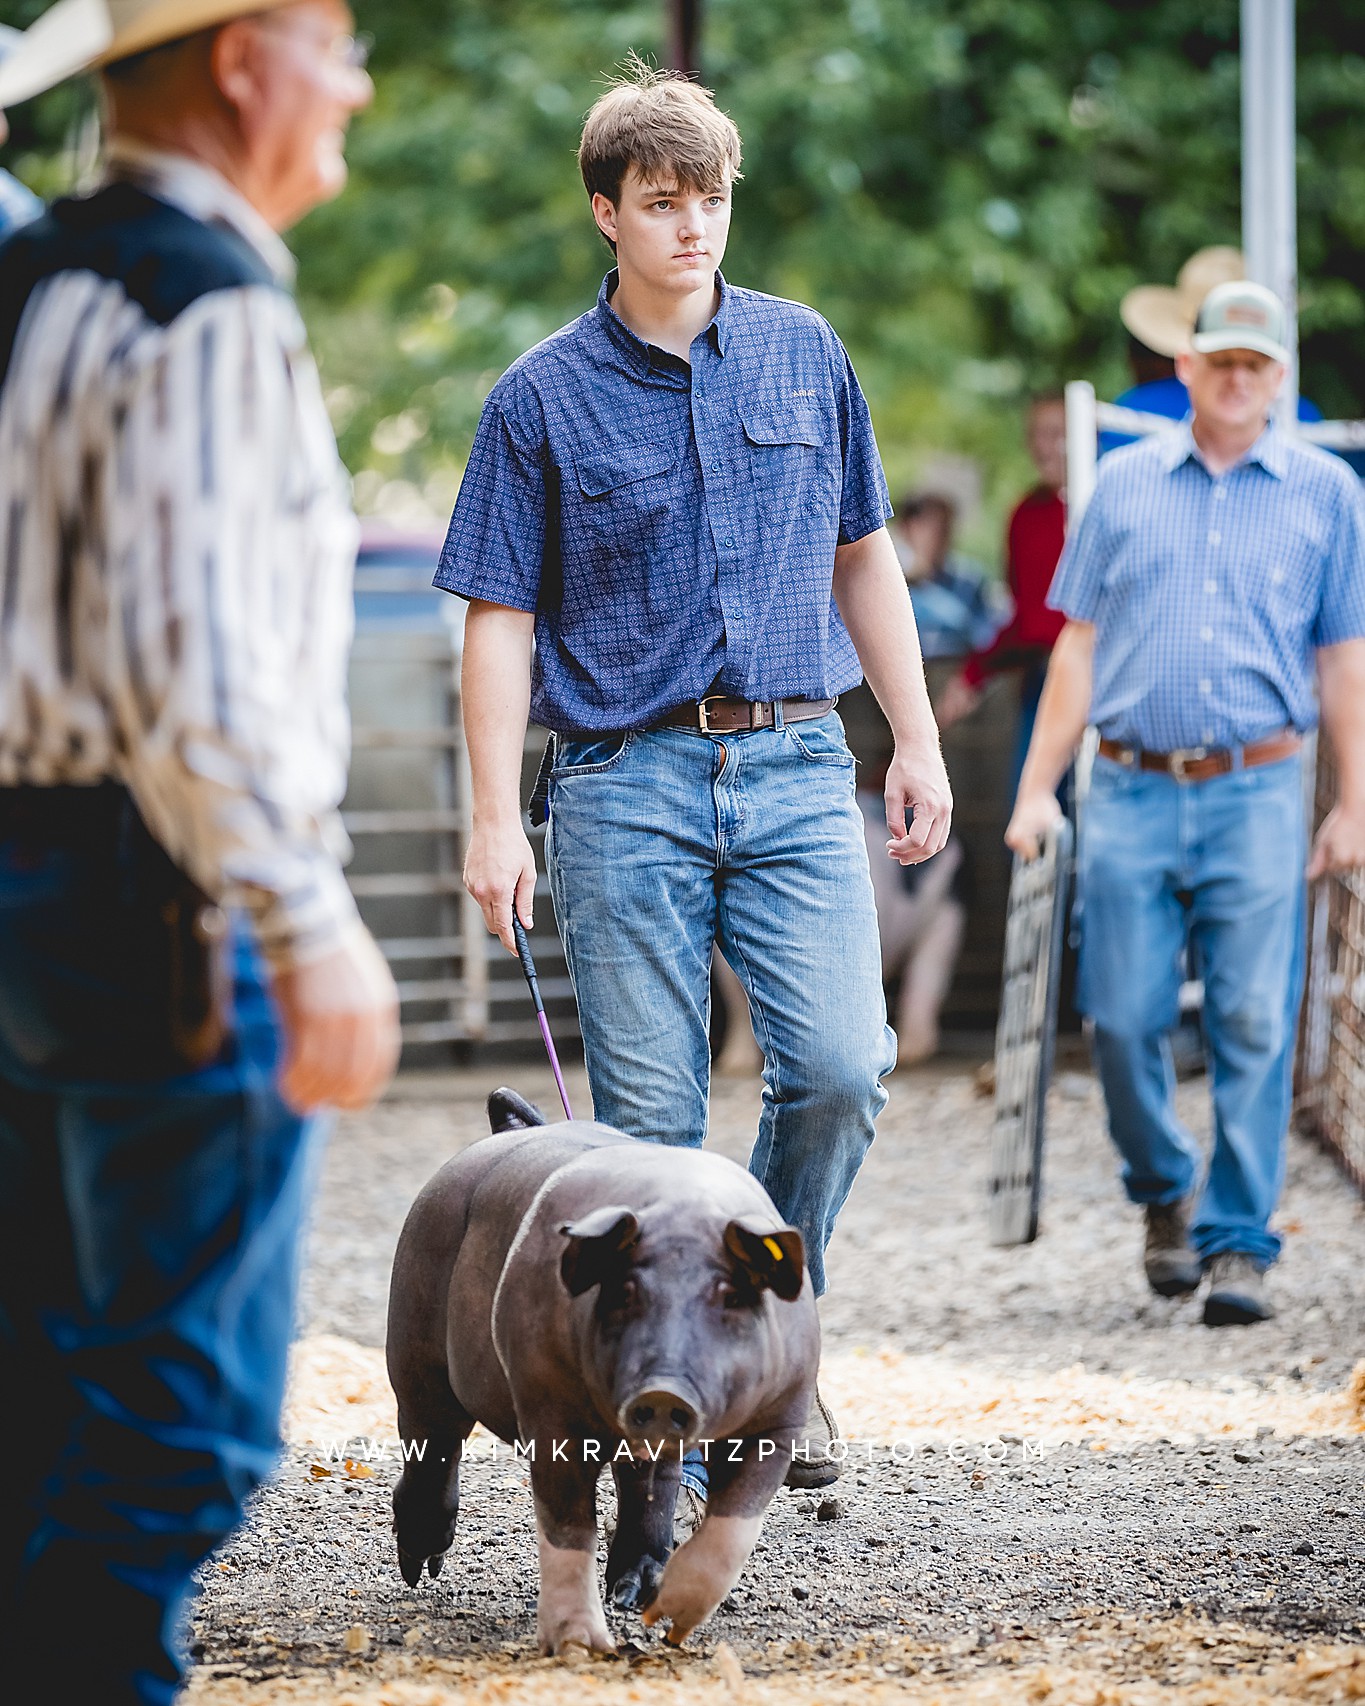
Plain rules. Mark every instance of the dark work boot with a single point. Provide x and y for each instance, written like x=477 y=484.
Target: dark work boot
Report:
x=1236 y=1295
x=1168 y=1258
x=812 y=1468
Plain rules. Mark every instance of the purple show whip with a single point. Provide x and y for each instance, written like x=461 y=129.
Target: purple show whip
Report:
x=528 y=965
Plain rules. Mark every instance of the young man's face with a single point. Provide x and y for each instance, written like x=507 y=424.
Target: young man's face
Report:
x=669 y=238
x=1232 y=388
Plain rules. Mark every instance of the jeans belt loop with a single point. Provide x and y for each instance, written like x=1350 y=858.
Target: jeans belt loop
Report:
x=1184 y=756
x=779 y=721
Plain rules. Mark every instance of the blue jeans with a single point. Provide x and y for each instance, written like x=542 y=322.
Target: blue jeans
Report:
x=665 y=843
x=148 y=1243
x=1218 y=865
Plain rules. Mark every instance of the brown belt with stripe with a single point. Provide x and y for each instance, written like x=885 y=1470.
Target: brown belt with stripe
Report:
x=719 y=715
x=1198 y=763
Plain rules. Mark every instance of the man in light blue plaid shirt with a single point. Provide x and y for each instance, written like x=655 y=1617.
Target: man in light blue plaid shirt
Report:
x=1216 y=566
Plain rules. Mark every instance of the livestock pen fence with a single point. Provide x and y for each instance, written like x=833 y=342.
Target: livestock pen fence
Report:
x=1329 y=1078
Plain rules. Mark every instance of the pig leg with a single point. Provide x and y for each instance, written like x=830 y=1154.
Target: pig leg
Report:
x=703 y=1570
x=426 y=1500
x=569 y=1611
x=646 y=1494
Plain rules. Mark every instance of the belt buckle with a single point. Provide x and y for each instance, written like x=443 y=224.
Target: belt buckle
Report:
x=703 y=714
x=1179 y=761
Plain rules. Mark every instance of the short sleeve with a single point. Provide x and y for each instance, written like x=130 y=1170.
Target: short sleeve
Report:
x=495 y=544
x=865 y=503
x=1341 y=610
x=1079 y=580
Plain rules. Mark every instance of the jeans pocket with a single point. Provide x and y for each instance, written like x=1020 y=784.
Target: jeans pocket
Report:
x=821 y=740
x=589 y=755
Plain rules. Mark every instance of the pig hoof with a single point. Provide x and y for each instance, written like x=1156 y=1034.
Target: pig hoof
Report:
x=638 y=1587
x=410 y=1563
x=556 y=1643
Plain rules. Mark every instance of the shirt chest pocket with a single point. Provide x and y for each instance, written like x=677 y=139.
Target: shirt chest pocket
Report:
x=625 y=494
x=789 y=458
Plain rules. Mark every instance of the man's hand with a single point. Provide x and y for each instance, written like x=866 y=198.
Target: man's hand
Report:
x=958 y=700
x=340 y=1018
x=917 y=788
x=499 y=871
x=1034 y=814
x=1339 y=844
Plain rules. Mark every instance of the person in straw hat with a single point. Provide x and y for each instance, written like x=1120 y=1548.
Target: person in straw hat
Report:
x=184 y=981
x=1159 y=322
x=1218 y=570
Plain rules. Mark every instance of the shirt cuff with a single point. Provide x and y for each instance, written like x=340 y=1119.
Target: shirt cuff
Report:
x=308 y=921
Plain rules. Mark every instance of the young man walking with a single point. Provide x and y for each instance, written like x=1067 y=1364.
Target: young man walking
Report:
x=678 y=498
x=1215 y=565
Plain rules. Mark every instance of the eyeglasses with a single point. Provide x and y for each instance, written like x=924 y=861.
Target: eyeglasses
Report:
x=350 y=52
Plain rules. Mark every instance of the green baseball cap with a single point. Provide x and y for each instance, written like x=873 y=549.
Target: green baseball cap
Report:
x=1241 y=315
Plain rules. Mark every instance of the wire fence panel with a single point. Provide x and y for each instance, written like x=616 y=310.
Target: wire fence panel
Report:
x=1026 y=1036
x=1330 y=1075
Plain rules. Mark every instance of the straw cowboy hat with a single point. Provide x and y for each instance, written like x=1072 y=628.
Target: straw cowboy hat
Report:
x=76 y=35
x=1163 y=318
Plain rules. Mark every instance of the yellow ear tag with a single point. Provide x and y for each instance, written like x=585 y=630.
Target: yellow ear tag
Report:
x=774 y=1249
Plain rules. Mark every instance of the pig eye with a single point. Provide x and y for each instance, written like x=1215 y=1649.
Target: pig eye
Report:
x=730 y=1296
x=629 y=1294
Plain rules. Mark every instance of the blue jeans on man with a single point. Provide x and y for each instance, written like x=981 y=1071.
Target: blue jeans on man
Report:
x=1218 y=864
x=148 y=1252
x=662 y=844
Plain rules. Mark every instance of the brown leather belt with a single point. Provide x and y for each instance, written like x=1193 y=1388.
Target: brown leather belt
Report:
x=1198 y=763
x=718 y=715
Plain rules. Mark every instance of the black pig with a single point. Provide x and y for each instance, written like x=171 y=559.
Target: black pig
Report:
x=573 y=1289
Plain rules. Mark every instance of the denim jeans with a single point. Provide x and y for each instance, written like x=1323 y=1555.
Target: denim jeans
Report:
x=148 y=1245
x=665 y=843
x=1218 y=865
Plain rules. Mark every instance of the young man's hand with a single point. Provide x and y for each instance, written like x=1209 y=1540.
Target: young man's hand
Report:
x=1034 y=814
x=919 y=805
x=340 y=1021
x=500 y=871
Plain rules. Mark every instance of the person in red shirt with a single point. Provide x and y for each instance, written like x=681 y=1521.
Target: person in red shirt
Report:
x=1033 y=545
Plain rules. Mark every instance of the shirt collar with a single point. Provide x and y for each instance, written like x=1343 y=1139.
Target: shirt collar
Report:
x=201 y=192
x=646 y=355
x=1268 y=450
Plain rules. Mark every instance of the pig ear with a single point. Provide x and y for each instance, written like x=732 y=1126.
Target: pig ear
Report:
x=509 y=1112
x=769 y=1257
x=595 y=1244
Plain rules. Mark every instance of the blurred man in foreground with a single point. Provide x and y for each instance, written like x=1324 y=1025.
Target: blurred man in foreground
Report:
x=183 y=977
x=1215 y=564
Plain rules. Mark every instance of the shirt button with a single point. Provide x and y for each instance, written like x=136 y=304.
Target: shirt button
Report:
x=727 y=543
x=1206 y=687
x=1219 y=495
x=1206 y=633
x=1210 y=586
x=1215 y=538
x=715 y=467
x=1208 y=737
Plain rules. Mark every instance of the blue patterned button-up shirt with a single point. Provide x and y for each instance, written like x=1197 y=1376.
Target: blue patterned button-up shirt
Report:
x=672 y=526
x=1210 y=593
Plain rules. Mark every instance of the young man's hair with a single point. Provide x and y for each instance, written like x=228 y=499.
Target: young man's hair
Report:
x=668 y=128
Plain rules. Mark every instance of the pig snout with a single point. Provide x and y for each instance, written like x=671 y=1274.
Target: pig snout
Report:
x=661 y=1414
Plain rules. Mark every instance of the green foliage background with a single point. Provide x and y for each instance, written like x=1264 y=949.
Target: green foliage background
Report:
x=964 y=187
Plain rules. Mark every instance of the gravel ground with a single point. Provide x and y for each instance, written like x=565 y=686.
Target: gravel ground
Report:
x=1006 y=1561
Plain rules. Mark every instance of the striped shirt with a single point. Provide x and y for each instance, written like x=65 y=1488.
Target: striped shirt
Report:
x=1209 y=593
x=176 y=544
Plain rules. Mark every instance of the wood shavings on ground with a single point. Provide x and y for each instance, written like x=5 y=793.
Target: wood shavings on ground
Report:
x=1091 y=1675
x=339 y=1390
